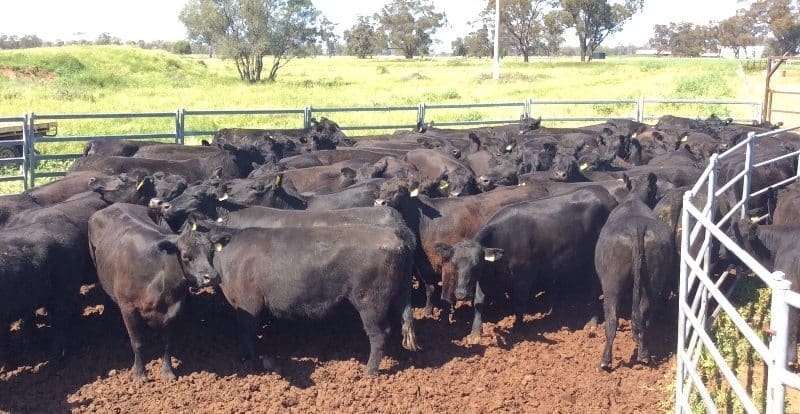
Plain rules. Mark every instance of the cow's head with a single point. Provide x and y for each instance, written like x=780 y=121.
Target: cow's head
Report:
x=440 y=144
x=397 y=192
x=565 y=168
x=463 y=265
x=124 y=188
x=273 y=191
x=645 y=188
x=457 y=183
x=196 y=245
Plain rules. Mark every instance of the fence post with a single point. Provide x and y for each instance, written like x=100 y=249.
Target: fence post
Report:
x=779 y=326
x=25 y=158
x=748 y=176
x=421 y=114
x=307 y=117
x=178 y=127
x=32 y=149
x=526 y=108
x=640 y=109
x=711 y=203
x=682 y=287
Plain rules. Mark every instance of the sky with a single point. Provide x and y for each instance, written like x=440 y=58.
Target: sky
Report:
x=158 y=19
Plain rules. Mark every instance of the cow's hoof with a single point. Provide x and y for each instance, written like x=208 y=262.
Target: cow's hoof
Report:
x=371 y=372
x=605 y=366
x=139 y=376
x=473 y=339
x=168 y=375
x=592 y=323
x=644 y=361
x=268 y=363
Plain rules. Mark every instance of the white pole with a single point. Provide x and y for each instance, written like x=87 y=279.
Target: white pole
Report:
x=496 y=71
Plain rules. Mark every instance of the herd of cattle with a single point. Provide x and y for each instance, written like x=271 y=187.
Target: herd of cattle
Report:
x=293 y=222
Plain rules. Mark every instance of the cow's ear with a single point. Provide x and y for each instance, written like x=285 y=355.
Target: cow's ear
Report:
x=220 y=240
x=168 y=245
x=684 y=137
x=491 y=254
x=278 y=180
x=608 y=131
x=657 y=135
x=348 y=172
x=379 y=168
x=205 y=143
x=445 y=250
x=627 y=181
x=652 y=179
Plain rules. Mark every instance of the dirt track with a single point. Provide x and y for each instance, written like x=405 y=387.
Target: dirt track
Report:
x=550 y=366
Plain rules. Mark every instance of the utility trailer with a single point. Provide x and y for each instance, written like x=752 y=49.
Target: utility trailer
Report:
x=10 y=137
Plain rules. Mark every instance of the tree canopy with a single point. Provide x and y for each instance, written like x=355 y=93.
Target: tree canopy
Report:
x=409 y=25
x=363 y=40
x=595 y=20
x=248 y=30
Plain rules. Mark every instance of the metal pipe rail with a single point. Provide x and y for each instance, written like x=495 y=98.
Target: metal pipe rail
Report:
x=30 y=160
x=693 y=318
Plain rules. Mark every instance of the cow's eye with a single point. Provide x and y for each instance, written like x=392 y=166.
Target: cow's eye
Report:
x=185 y=258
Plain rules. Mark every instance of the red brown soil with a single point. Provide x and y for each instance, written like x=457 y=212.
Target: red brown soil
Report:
x=549 y=366
x=30 y=73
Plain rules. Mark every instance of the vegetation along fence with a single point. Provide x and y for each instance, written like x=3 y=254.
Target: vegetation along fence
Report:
x=49 y=156
x=707 y=367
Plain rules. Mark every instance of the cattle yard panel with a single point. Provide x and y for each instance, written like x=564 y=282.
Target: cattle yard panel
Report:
x=372 y=127
x=23 y=125
x=31 y=170
x=701 y=299
x=34 y=158
x=247 y=118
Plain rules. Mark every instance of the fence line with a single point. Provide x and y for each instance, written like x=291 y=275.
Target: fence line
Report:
x=697 y=285
x=29 y=162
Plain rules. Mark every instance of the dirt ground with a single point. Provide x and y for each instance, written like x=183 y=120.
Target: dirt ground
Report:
x=550 y=366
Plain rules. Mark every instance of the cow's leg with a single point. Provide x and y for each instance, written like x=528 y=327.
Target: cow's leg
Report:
x=133 y=324
x=166 y=364
x=610 y=310
x=520 y=299
x=478 y=304
x=377 y=328
x=247 y=324
x=430 y=292
x=406 y=310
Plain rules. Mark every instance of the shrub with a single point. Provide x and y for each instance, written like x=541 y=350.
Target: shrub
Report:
x=181 y=47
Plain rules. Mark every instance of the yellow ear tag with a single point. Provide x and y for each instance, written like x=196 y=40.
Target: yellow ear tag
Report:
x=278 y=180
x=755 y=219
x=443 y=184
x=685 y=138
x=415 y=192
x=490 y=257
x=584 y=166
x=223 y=197
x=139 y=185
x=194 y=226
x=509 y=147
x=633 y=135
x=218 y=247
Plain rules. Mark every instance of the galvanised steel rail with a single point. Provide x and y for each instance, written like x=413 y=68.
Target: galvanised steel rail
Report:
x=21 y=162
x=698 y=288
x=30 y=160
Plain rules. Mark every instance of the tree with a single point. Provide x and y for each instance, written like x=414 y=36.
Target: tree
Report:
x=737 y=32
x=554 y=26
x=248 y=30
x=521 y=20
x=459 y=47
x=182 y=47
x=328 y=36
x=204 y=22
x=662 y=37
x=478 y=43
x=362 y=39
x=409 y=25
x=780 y=21
x=594 y=20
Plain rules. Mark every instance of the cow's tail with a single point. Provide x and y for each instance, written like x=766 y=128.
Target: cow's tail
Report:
x=638 y=269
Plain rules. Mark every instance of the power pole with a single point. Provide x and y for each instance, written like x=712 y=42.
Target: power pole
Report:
x=496 y=71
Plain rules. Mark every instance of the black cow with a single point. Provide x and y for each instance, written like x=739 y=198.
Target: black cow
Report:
x=305 y=272
x=776 y=247
x=551 y=238
x=132 y=256
x=445 y=220
x=634 y=248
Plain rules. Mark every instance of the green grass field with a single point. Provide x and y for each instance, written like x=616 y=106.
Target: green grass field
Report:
x=91 y=79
